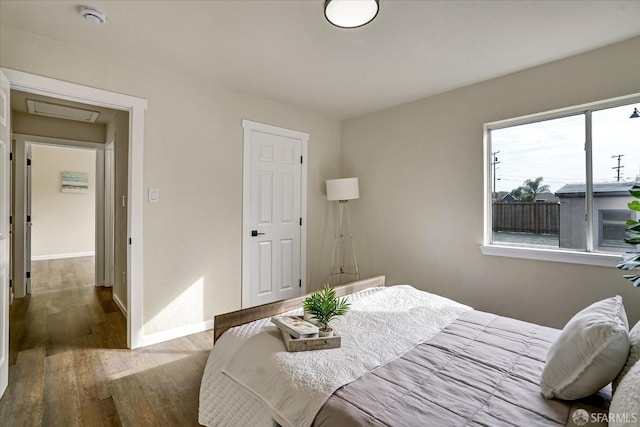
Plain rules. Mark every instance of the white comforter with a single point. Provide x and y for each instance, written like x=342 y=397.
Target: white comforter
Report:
x=383 y=324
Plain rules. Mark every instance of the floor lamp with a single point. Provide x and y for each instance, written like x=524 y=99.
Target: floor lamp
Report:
x=342 y=190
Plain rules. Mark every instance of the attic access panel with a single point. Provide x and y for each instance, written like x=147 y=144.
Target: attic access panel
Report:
x=61 y=111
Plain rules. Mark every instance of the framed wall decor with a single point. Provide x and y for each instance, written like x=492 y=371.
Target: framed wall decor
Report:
x=75 y=182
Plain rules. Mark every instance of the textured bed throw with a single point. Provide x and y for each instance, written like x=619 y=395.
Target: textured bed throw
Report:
x=481 y=370
x=378 y=329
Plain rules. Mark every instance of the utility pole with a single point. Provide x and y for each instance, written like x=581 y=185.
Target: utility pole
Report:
x=494 y=162
x=618 y=174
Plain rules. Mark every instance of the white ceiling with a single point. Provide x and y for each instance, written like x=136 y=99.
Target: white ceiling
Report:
x=285 y=50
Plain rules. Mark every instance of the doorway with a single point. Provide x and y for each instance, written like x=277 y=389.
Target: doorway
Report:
x=58 y=190
x=132 y=201
x=64 y=169
x=61 y=195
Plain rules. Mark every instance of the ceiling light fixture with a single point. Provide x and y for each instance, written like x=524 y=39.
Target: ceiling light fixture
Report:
x=635 y=114
x=93 y=15
x=351 y=13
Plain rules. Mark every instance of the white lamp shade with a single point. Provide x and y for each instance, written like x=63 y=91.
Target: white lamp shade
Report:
x=343 y=189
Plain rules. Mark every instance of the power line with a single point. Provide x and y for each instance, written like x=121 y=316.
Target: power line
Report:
x=619 y=156
x=494 y=162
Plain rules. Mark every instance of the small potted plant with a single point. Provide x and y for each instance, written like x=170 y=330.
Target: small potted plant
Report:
x=325 y=306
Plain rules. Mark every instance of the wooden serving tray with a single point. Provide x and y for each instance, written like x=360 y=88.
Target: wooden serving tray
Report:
x=306 y=344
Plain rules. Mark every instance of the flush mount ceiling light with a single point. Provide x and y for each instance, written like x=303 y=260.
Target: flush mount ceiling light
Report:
x=350 y=13
x=93 y=15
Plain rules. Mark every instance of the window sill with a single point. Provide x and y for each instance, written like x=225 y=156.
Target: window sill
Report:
x=556 y=255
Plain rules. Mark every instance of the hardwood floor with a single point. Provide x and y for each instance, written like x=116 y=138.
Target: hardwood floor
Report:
x=69 y=365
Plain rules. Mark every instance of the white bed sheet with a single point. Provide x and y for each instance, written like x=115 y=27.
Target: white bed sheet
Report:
x=223 y=403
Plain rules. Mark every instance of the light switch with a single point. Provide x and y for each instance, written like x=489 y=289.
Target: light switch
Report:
x=154 y=195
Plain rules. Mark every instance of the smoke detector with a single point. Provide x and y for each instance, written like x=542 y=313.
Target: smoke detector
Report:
x=93 y=15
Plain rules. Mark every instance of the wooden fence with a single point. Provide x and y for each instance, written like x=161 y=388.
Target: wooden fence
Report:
x=525 y=217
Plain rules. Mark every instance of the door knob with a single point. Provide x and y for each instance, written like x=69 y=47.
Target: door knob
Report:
x=254 y=233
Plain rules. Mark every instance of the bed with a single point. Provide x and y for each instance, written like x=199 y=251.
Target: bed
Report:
x=409 y=358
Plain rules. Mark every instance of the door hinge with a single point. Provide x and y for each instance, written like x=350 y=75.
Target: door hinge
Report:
x=28 y=275
x=300 y=282
x=129 y=240
x=10 y=156
x=10 y=283
x=28 y=218
x=10 y=219
x=300 y=159
x=300 y=221
x=28 y=162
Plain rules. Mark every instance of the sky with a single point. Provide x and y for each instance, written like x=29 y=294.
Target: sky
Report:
x=554 y=149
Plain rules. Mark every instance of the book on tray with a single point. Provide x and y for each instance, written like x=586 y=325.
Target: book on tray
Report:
x=296 y=327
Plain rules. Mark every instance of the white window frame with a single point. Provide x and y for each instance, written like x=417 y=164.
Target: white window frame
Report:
x=590 y=256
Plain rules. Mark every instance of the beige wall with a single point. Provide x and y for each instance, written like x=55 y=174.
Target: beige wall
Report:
x=427 y=233
x=30 y=124
x=420 y=216
x=193 y=154
x=63 y=223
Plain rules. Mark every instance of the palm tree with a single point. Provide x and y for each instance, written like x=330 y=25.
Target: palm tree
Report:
x=517 y=193
x=529 y=190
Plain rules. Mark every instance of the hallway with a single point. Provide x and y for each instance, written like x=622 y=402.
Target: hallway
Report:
x=69 y=365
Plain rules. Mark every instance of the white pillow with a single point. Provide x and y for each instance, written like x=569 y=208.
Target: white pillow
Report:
x=625 y=406
x=634 y=355
x=589 y=353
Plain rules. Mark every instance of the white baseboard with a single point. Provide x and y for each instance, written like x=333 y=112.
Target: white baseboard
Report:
x=120 y=305
x=60 y=256
x=172 y=334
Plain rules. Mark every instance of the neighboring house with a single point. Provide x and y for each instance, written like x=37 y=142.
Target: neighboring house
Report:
x=507 y=197
x=610 y=213
x=504 y=197
x=547 y=198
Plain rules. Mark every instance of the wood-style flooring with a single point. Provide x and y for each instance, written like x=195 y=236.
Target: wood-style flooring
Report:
x=69 y=365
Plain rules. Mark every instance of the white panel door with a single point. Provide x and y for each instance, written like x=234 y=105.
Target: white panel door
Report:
x=274 y=220
x=5 y=149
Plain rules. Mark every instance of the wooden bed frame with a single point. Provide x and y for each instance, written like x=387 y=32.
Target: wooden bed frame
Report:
x=222 y=322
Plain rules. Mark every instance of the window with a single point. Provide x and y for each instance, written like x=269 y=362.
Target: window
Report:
x=612 y=227
x=559 y=181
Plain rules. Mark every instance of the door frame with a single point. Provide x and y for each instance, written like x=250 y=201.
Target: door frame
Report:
x=135 y=106
x=250 y=126
x=108 y=198
x=5 y=227
x=21 y=191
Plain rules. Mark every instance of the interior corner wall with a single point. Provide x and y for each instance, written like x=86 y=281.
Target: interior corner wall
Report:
x=193 y=155
x=419 y=219
x=63 y=223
